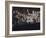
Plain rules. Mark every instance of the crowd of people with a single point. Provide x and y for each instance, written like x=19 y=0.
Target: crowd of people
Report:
x=26 y=16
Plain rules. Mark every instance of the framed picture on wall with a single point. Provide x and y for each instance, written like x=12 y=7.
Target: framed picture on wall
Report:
x=24 y=18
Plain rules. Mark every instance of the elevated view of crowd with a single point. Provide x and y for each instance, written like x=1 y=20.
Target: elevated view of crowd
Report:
x=28 y=15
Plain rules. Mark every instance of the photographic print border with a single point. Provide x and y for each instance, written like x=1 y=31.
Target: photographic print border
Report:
x=7 y=3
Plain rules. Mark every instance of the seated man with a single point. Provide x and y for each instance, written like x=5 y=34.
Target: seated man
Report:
x=29 y=19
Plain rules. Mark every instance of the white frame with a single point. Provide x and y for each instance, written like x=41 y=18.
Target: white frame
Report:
x=25 y=32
